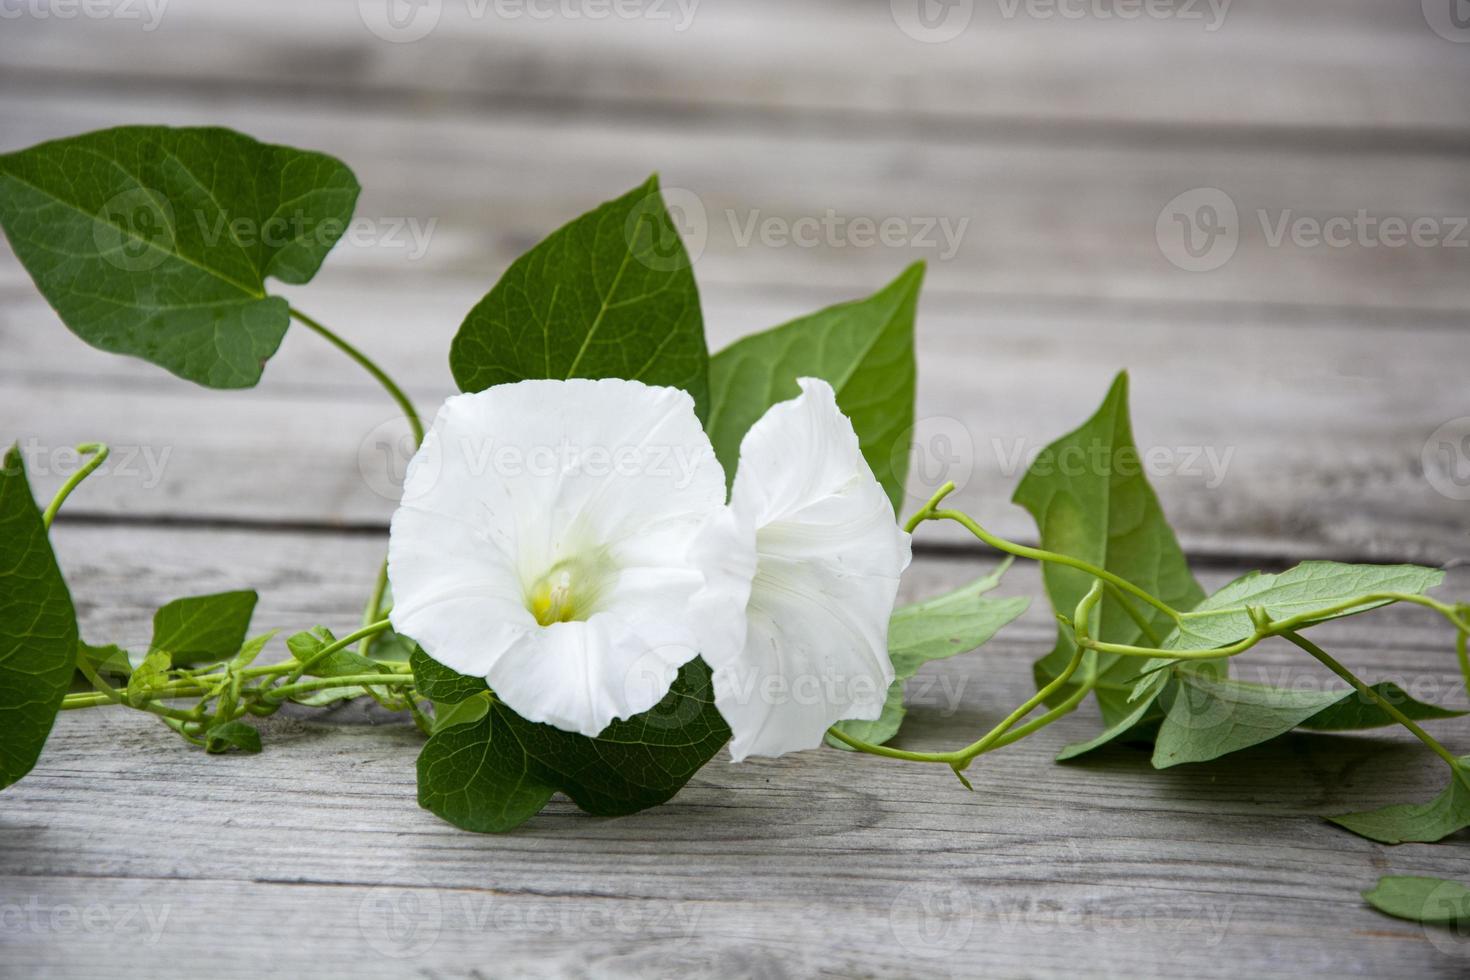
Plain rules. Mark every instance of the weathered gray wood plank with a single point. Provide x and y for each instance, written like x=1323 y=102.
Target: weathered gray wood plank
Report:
x=1067 y=218
x=819 y=862
x=1355 y=65
x=1296 y=439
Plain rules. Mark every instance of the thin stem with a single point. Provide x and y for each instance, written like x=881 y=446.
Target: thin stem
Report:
x=93 y=700
x=322 y=683
x=1372 y=695
x=98 y=451
x=1214 y=653
x=1061 y=710
x=1464 y=657
x=374 y=611
x=1042 y=555
x=372 y=368
x=372 y=629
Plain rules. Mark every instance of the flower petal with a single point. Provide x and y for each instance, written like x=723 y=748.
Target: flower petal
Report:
x=828 y=557
x=597 y=486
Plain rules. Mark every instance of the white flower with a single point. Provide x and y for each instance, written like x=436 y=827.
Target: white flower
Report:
x=810 y=538
x=543 y=543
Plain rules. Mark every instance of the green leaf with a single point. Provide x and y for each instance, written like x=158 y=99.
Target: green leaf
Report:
x=204 y=628
x=1091 y=499
x=1209 y=717
x=1354 y=713
x=496 y=773
x=305 y=647
x=1139 y=715
x=1224 y=617
x=439 y=683
x=610 y=295
x=1435 y=901
x=232 y=735
x=151 y=674
x=933 y=630
x=109 y=661
x=1422 y=823
x=864 y=349
x=157 y=242
x=38 y=627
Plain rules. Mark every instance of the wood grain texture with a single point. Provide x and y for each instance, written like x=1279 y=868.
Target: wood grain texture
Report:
x=821 y=862
x=1321 y=371
x=1063 y=216
x=1288 y=68
x=1304 y=440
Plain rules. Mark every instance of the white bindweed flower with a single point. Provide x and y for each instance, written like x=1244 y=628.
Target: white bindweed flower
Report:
x=810 y=553
x=543 y=543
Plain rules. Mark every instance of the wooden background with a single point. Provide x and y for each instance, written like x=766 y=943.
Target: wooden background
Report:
x=1316 y=373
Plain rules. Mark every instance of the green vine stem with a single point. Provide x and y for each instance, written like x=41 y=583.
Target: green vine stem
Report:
x=1010 y=729
x=374 y=608
x=1390 y=709
x=98 y=452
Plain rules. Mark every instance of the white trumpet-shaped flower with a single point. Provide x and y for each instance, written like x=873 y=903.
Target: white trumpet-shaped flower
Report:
x=803 y=572
x=543 y=543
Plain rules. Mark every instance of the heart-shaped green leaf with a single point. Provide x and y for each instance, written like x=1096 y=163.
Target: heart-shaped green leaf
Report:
x=610 y=295
x=38 y=627
x=497 y=772
x=1091 y=499
x=157 y=242
x=204 y=628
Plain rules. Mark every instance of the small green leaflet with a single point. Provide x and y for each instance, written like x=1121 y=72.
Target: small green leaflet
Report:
x=307 y=645
x=110 y=660
x=1213 y=716
x=1436 y=901
x=864 y=349
x=495 y=772
x=610 y=295
x=1091 y=499
x=232 y=735
x=1223 y=618
x=1422 y=823
x=954 y=623
x=151 y=674
x=38 y=627
x=157 y=242
x=203 y=629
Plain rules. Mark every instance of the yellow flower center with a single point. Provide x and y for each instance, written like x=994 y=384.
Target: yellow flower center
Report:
x=566 y=593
